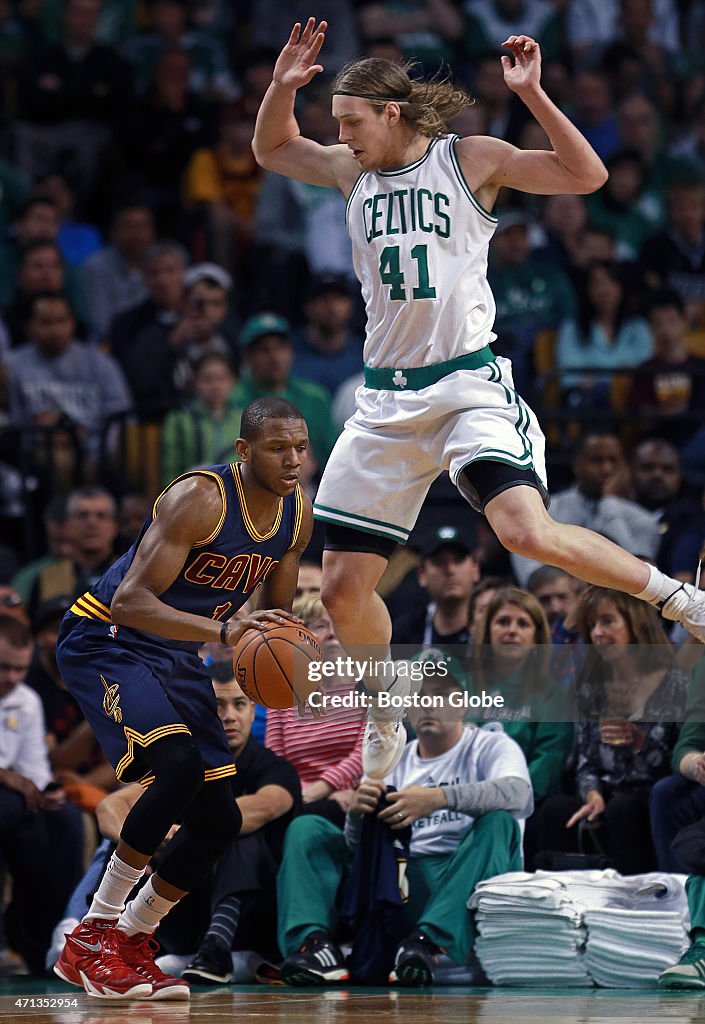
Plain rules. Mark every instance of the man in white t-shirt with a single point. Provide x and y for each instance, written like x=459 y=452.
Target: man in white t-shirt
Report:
x=464 y=792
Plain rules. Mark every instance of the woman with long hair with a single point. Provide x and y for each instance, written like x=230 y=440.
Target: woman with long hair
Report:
x=605 y=335
x=630 y=697
x=511 y=656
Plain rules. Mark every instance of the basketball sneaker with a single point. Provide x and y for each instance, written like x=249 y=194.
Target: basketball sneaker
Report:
x=317 y=962
x=382 y=747
x=385 y=736
x=687 y=606
x=58 y=940
x=212 y=964
x=416 y=961
x=92 y=960
x=138 y=952
x=689 y=972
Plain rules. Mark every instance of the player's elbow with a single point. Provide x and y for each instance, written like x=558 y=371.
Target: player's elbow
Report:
x=121 y=606
x=593 y=179
x=259 y=154
x=264 y=155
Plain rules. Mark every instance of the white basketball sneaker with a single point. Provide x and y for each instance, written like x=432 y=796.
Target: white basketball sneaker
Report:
x=687 y=606
x=382 y=747
x=385 y=735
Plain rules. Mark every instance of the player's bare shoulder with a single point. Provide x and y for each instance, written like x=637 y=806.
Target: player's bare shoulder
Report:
x=479 y=157
x=192 y=507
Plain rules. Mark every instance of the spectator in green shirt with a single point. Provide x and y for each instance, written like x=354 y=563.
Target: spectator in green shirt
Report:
x=268 y=356
x=511 y=657
x=205 y=430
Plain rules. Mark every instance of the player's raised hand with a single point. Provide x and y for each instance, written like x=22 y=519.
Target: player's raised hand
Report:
x=525 y=72
x=296 y=64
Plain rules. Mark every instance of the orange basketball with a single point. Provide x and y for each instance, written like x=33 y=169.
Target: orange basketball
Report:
x=271 y=665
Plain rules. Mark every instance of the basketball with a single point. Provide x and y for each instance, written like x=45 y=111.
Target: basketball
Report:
x=271 y=665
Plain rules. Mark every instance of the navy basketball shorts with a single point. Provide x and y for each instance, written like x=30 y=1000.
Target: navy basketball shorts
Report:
x=134 y=692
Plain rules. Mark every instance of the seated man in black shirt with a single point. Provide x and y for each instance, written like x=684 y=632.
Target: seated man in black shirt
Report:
x=449 y=573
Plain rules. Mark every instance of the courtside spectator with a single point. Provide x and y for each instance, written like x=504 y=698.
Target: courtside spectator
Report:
x=464 y=793
x=326 y=752
x=630 y=698
x=41 y=836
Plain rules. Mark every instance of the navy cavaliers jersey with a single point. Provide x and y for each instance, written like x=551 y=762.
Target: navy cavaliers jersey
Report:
x=222 y=571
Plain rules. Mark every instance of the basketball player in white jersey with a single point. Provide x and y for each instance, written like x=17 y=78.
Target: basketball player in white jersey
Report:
x=435 y=397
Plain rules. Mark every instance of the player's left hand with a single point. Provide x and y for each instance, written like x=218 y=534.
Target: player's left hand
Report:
x=406 y=805
x=525 y=72
x=258 y=620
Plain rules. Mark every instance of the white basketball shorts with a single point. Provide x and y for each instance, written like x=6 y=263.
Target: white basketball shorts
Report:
x=397 y=442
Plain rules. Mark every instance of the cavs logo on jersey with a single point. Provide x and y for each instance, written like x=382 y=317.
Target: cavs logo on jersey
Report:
x=111 y=700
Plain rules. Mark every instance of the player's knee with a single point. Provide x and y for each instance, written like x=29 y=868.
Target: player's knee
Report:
x=176 y=760
x=523 y=538
x=338 y=594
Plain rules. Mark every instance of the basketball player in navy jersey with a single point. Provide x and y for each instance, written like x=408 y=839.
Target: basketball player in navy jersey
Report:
x=128 y=650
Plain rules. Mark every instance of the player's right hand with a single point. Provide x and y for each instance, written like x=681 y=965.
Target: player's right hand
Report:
x=259 y=620
x=296 y=64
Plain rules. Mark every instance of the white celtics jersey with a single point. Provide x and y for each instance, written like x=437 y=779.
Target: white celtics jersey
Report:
x=420 y=242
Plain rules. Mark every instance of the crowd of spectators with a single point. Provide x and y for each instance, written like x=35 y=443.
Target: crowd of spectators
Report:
x=154 y=280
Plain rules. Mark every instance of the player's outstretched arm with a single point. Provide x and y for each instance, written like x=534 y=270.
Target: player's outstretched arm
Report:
x=187 y=515
x=278 y=144
x=572 y=166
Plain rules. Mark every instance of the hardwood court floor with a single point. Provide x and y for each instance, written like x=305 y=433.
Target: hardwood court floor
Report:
x=246 y=1004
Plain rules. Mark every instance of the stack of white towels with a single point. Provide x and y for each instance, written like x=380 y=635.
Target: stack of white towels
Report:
x=579 y=928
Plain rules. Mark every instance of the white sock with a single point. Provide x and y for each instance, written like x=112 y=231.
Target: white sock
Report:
x=145 y=911
x=398 y=684
x=659 y=588
x=116 y=885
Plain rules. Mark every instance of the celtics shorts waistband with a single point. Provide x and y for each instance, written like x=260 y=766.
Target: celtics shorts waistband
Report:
x=384 y=378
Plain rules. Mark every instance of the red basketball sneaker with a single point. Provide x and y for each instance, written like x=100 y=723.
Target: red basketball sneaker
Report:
x=91 y=959
x=138 y=952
